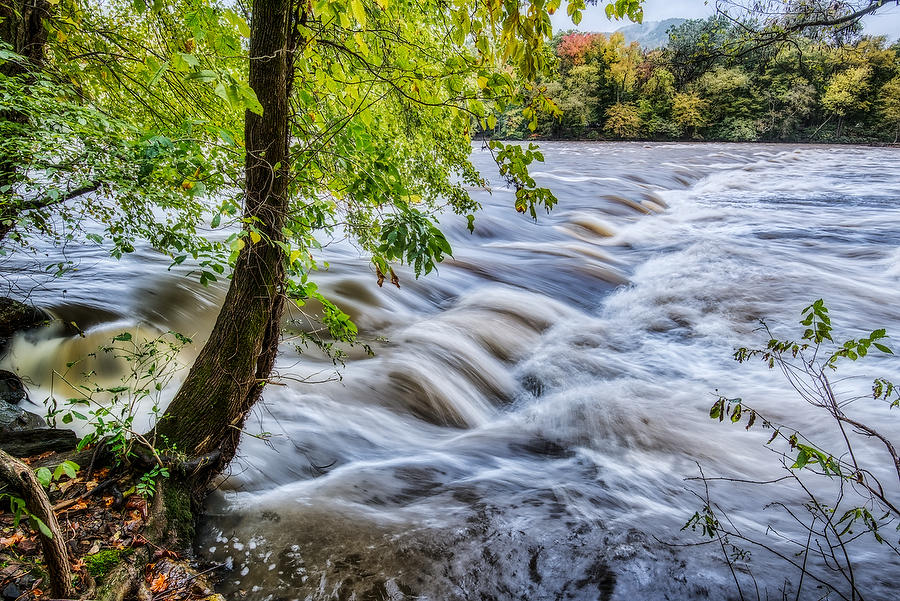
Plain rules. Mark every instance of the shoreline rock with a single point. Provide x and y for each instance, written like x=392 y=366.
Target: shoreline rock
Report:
x=16 y=316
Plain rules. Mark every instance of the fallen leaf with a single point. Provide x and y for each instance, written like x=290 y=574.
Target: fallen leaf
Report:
x=138 y=503
x=27 y=545
x=165 y=553
x=159 y=584
x=12 y=540
x=30 y=460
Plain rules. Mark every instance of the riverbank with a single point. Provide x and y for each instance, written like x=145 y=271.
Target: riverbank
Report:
x=86 y=522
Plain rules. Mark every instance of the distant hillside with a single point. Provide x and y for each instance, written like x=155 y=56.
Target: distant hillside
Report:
x=651 y=34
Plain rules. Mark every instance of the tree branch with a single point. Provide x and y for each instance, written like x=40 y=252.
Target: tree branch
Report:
x=47 y=201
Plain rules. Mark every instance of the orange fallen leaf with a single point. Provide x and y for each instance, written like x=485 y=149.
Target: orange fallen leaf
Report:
x=12 y=540
x=159 y=584
x=108 y=501
x=30 y=460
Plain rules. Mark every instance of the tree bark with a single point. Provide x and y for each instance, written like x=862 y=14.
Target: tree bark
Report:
x=23 y=480
x=228 y=376
x=22 y=27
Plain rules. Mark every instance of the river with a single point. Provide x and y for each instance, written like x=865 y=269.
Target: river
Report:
x=532 y=411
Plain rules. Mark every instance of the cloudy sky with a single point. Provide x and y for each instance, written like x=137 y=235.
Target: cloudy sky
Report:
x=886 y=22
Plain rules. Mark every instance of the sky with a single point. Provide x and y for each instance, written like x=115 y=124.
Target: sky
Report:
x=885 y=22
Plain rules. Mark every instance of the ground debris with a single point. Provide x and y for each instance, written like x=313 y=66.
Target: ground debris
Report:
x=102 y=526
x=174 y=579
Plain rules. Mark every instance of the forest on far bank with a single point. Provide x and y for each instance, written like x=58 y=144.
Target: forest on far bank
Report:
x=709 y=82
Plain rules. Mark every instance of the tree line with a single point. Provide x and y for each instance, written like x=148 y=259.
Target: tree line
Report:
x=712 y=82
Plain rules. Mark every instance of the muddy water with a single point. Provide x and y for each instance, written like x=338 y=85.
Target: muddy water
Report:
x=526 y=425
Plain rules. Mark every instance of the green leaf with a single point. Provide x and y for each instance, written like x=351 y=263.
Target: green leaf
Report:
x=160 y=71
x=40 y=525
x=802 y=459
x=70 y=468
x=123 y=337
x=359 y=11
x=43 y=476
x=882 y=348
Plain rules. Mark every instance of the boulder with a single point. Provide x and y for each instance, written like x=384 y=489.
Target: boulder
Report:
x=12 y=389
x=15 y=316
x=13 y=418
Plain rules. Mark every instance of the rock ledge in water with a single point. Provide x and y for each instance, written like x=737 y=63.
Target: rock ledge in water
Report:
x=34 y=441
x=23 y=433
x=15 y=316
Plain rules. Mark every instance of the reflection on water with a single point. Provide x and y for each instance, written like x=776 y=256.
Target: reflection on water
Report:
x=526 y=424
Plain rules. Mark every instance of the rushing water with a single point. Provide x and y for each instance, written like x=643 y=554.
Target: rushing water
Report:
x=526 y=425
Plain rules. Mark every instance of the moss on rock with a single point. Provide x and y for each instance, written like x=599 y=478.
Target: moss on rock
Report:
x=99 y=564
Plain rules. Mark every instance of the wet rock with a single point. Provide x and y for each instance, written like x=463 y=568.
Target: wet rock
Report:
x=10 y=592
x=13 y=418
x=23 y=433
x=15 y=316
x=12 y=389
x=26 y=443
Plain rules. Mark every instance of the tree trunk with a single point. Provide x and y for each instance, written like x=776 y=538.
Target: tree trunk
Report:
x=23 y=480
x=228 y=376
x=22 y=27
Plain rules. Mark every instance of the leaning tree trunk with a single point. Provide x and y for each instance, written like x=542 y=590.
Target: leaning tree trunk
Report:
x=228 y=376
x=56 y=557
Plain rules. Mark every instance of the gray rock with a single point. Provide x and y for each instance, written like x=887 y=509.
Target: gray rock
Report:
x=25 y=443
x=14 y=418
x=10 y=592
x=15 y=316
x=12 y=389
